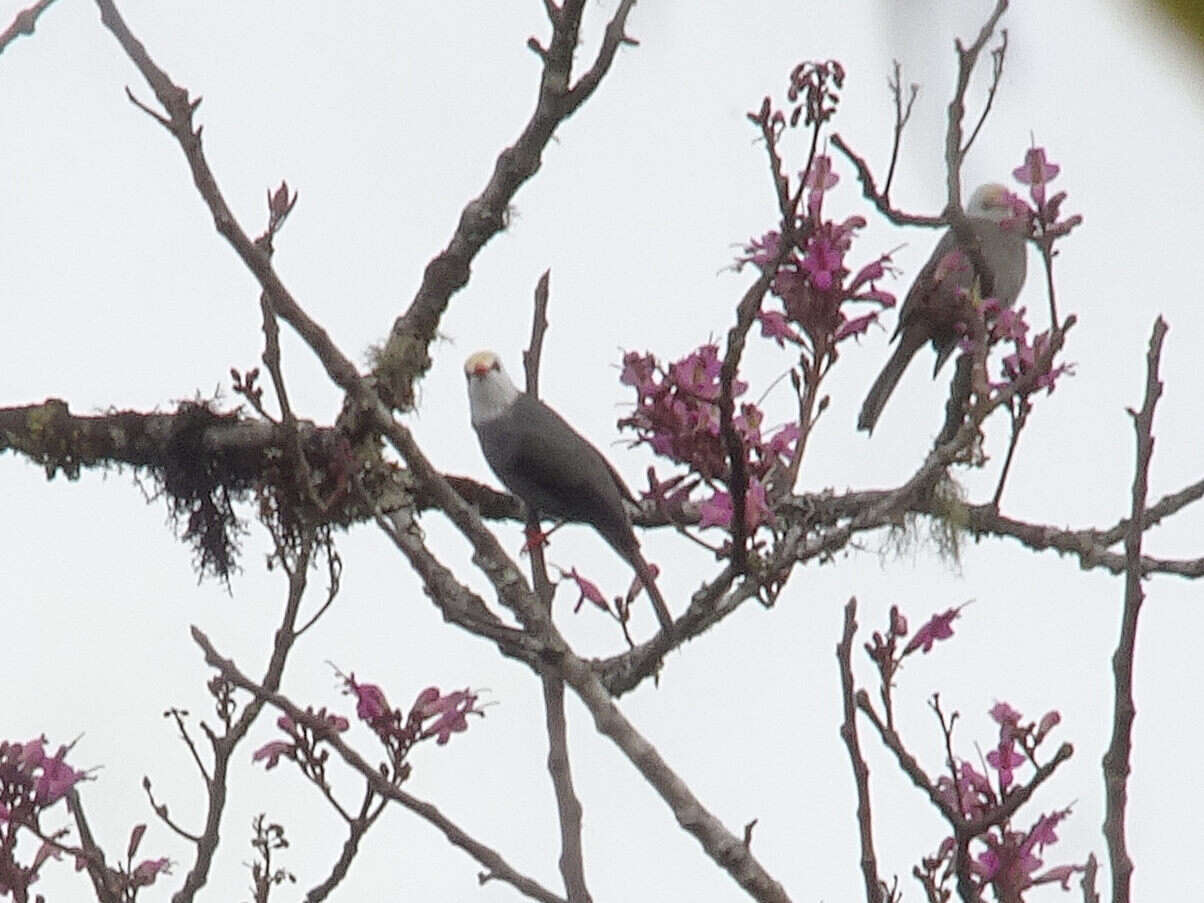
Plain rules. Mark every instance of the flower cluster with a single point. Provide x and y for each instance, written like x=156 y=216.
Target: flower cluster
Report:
x=677 y=415
x=883 y=647
x=31 y=781
x=1044 y=225
x=433 y=714
x=1009 y=861
x=813 y=281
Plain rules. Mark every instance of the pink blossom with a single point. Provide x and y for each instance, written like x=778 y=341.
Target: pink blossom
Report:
x=774 y=326
x=756 y=506
x=782 y=442
x=715 y=511
x=273 y=751
x=452 y=710
x=938 y=627
x=855 y=326
x=1036 y=172
x=148 y=870
x=821 y=177
x=1002 y=713
x=371 y=704
x=56 y=779
x=761 y=252
x=1004 y=759
x=822 y=262
x=588 y=589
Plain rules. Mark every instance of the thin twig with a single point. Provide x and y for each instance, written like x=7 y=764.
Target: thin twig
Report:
x=997 y=58
x=902 y=114
x=23 y=23
x=568 y=806
x=861 y=772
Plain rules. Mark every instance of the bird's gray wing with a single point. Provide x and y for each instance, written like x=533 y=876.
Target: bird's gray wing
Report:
x=555 y=470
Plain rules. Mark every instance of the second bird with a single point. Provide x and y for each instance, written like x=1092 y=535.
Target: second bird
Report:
x=936 y=302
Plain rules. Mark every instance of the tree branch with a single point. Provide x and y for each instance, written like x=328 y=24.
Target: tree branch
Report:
x=405 y=357
x=1116 y=760
x=23 y=23
x=861 y=772
x=497 y=866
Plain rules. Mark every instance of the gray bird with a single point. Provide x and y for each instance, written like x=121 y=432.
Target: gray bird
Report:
x=550 y=466
x=936 y=304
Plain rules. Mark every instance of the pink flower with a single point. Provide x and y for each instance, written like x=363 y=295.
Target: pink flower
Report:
x=452 y=710
x=715 y=511
x=756 y=506
x=821 y=177
x=148 y=870
x=939 y=627
x=774 y=326
x=822 y=262
x=56 y=779
x=371 y=704
x=762 y=251
x=588 y=589
x=1004 y=759
x=856 y=326
x=273 y=751
x=1002 y=713
x=782 y=442
x=1036 y=172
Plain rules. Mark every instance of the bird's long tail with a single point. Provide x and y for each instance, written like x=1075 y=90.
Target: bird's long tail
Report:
x=879 y=393
x=644 y=571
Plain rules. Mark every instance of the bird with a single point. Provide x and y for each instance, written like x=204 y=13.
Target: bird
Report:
x=550 y=466
x=936 y=301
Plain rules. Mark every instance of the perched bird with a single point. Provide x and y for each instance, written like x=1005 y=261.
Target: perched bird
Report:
x=550 y=466
x=936 y=302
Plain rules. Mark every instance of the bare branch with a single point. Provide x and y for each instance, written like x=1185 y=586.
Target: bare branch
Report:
x=1116 y=760
x=23 y=23
x=861 y=772
x=879 y=199
x=997 y=57
x=405 y=357
x=568 y=806
x=902 y=114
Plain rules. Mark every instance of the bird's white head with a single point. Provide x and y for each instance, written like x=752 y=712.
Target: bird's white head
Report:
x=993 y=202
x=491 y=392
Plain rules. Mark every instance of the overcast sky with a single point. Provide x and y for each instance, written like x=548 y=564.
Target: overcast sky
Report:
x=117 y=293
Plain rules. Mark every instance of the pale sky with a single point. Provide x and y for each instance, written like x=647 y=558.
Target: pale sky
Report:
x=118 y=293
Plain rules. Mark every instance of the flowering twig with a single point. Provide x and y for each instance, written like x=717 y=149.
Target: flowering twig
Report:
x=498 y=867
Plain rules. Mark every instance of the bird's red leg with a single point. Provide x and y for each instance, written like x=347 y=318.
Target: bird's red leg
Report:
x=537 y=537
